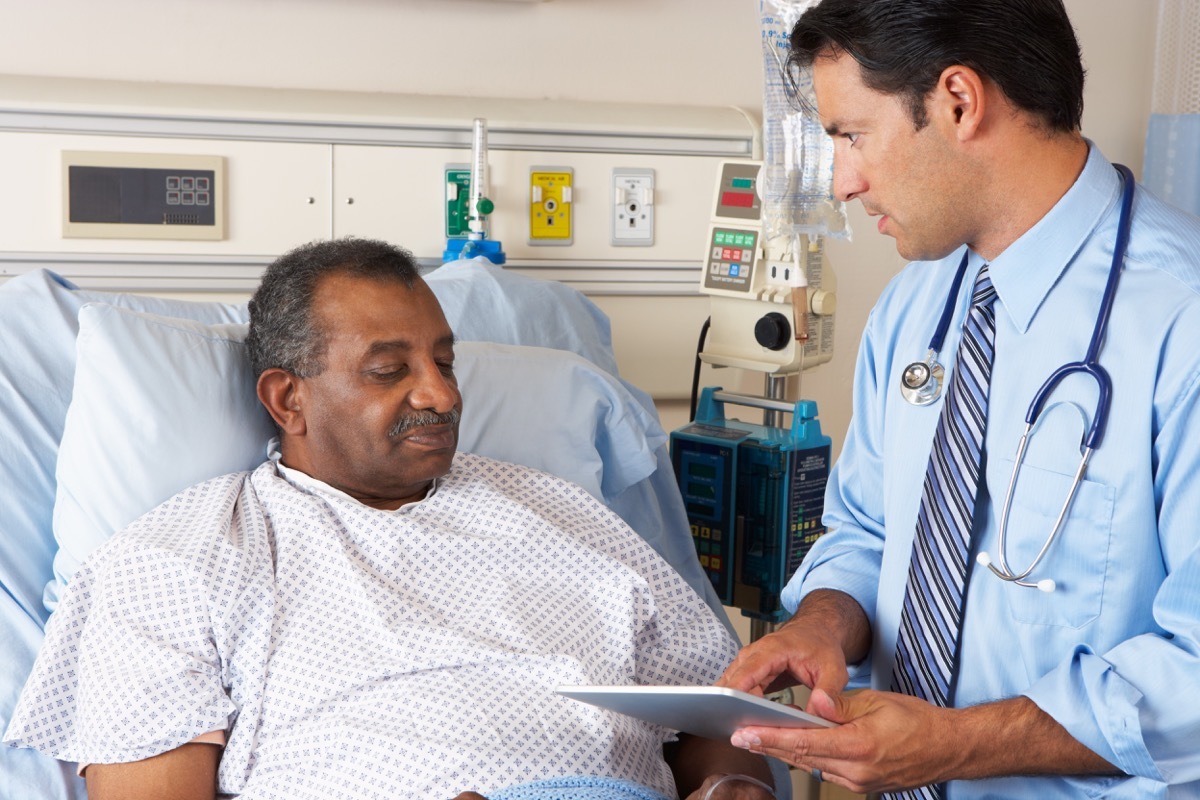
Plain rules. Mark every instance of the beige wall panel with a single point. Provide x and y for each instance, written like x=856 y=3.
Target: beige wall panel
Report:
x=399 y=194
x=268 y=188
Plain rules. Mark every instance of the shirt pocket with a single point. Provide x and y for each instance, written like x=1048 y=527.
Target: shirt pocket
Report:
x=1077 y=559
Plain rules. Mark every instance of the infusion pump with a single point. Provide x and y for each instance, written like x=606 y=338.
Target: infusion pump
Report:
x=763 y=292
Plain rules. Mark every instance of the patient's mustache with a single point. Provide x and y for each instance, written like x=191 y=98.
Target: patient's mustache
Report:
x=423 y=419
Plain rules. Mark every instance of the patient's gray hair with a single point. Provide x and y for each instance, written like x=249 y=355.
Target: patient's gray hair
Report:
x=283 y=332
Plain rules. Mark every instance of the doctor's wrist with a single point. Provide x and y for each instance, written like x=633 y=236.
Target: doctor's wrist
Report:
x=839 y=616
x=1015 y=737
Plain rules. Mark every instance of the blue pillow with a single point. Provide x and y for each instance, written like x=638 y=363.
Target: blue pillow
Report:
x=37 y=368
x=486 y=303
x=554 y=411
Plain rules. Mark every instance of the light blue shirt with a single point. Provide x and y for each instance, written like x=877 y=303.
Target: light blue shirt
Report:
x=1114 y=653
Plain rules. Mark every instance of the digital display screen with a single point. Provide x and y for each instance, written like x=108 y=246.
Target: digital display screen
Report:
x=737 y=193
x=737 y=199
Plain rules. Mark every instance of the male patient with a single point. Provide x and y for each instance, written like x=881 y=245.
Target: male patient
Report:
x=368 y=614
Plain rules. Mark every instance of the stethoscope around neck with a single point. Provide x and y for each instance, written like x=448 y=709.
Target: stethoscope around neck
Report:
x=921 y=384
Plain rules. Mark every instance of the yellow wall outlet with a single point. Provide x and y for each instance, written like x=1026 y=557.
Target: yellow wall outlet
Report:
x=551 y=202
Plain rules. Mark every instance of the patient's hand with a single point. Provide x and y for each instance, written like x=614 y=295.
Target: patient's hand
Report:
x=731 y=790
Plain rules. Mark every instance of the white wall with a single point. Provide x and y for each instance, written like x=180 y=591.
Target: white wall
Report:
x=701 y=52
x=692 y=51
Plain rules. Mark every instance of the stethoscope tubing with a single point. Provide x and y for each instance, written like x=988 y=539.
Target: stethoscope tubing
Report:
x=1091 y=362
x=939 y=333
x=1090 y=365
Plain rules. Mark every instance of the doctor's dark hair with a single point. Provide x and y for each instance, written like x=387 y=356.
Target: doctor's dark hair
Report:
x=283 y=331
x=1026 y=47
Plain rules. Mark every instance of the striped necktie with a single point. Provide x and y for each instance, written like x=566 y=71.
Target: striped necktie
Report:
x=927 y=645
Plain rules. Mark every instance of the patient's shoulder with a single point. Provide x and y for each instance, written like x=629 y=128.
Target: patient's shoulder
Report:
x=207 y=545
x=198 y=505
x=217 y=519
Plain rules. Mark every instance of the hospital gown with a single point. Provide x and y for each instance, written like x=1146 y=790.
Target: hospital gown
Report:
x=350 y=652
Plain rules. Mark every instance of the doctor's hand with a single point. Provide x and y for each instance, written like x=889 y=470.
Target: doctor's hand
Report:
x=827 y=632
x=886 y=741
x=792 y=655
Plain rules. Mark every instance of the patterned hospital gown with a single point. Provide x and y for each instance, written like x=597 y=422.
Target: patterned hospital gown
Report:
x=356 y=653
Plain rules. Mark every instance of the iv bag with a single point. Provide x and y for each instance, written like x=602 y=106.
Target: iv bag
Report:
x=796 y=183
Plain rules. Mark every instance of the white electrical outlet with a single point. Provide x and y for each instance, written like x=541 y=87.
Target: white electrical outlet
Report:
x=632 y=207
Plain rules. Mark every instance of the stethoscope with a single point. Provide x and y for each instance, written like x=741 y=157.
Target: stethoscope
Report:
x=921 y=384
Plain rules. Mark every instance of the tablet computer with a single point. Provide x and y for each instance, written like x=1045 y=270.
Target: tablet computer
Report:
x=710 y=711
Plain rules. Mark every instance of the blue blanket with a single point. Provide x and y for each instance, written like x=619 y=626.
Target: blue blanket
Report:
x=583 y=787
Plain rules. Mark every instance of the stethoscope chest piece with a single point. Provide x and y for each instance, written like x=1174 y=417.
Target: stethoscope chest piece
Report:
x=921 y=381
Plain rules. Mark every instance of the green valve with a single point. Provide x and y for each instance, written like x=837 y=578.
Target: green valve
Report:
x=485 y=206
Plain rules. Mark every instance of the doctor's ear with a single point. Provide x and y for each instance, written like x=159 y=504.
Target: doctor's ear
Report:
x=960 y=99
x=281 y=392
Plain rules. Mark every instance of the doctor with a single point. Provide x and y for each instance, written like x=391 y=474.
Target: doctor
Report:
x=994 y=672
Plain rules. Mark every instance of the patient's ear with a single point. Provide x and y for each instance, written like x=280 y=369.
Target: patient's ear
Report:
x=278 y=391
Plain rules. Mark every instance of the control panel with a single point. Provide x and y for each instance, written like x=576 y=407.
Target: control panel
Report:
x=733 y=248
x=732 y=255
x=704 y=464
x=142 y=196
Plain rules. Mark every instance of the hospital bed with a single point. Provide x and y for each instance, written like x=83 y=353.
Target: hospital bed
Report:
x=110 y=403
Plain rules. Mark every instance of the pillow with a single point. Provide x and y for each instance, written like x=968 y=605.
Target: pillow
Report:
x=486 y=303
x=161 y=404
x=554 y=411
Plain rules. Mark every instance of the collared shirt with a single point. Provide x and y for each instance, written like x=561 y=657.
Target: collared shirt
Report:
x=1113 y=654
x=352 y=652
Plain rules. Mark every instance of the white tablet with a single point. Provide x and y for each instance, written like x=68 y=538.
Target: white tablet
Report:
x=710 y=711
